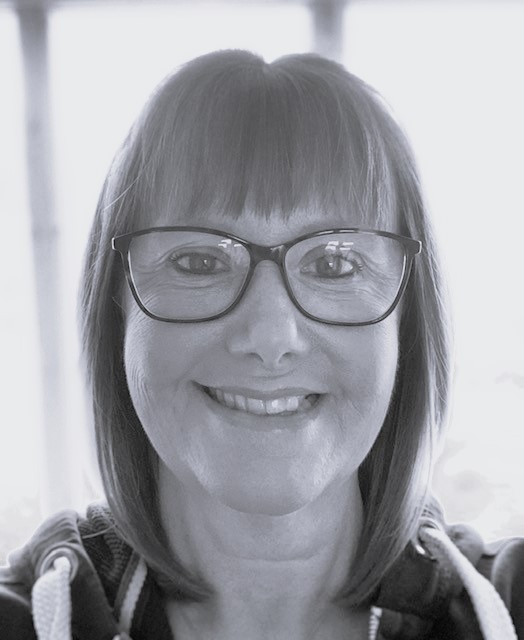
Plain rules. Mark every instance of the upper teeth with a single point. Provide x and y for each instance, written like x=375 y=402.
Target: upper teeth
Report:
x=257 y=406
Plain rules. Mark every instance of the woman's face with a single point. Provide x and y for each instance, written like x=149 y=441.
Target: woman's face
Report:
x=264 y=349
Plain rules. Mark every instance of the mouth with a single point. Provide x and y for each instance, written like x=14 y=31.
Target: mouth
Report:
x=285 y=405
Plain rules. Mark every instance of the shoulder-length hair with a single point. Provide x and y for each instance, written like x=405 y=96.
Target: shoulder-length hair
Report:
x=230 y=133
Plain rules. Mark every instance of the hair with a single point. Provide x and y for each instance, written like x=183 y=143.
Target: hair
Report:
x=230 y=133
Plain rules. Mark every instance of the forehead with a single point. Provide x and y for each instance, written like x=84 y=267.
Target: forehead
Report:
x=277 y=228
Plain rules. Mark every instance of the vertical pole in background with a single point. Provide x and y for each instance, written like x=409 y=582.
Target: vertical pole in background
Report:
x=56 y=492
x=328 y=28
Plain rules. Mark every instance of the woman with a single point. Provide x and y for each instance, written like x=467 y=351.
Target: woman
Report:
x=267 y=345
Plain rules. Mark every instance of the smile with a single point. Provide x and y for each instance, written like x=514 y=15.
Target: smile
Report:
x=281 y=406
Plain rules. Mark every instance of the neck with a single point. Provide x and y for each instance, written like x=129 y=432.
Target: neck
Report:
x=272 y=576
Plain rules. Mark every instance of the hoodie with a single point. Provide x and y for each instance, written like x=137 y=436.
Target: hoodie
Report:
x=77 y=579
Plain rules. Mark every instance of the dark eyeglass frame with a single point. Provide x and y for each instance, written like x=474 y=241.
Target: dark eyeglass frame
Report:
x=276 y=254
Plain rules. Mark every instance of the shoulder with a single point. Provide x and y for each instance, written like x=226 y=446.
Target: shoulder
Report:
x=24 y=566
x=16 y=621
x=439 y=589
x=502 y=563
x=97 y=558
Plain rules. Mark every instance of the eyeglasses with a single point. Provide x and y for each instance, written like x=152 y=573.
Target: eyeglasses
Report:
x=348 y=277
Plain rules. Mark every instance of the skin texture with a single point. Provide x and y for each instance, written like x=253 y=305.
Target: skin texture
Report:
x=270 y=516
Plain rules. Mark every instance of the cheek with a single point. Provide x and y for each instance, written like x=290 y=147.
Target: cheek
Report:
x=366 y=360
x=156 y=359
x=161 y=362
x=139 y=357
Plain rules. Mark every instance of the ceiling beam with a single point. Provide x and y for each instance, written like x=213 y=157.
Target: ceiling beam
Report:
x=51 y=4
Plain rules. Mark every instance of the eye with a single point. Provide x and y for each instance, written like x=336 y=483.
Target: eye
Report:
x=333 y=266
x=198 y=264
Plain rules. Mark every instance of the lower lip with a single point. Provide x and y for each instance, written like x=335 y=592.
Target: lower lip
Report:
x=255 y=422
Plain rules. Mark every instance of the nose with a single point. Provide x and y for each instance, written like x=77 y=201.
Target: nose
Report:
x=266 y=324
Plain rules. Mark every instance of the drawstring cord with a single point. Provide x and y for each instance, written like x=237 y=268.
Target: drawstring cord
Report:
x=51 y=597
x=494 y=619
x=51 y=600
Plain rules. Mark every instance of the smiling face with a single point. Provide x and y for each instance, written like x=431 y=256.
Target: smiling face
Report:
x=261 y=359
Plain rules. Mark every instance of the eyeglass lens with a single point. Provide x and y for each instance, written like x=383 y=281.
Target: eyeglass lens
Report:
x=191 y=275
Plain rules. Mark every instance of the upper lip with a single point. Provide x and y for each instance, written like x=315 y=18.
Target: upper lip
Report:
x=259 y=394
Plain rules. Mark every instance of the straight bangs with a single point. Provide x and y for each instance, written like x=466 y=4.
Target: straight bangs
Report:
x=230 y=134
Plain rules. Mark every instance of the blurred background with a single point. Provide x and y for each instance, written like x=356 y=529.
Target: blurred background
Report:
x=73 y=75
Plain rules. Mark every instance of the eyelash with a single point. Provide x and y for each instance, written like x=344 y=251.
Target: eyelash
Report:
x=174 y=260
x=356 y=264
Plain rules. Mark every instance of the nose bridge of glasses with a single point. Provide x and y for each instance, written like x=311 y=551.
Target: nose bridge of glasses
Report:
x=260 y=253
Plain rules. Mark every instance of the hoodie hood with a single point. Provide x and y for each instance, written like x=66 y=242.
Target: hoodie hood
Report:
x=82 y=576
